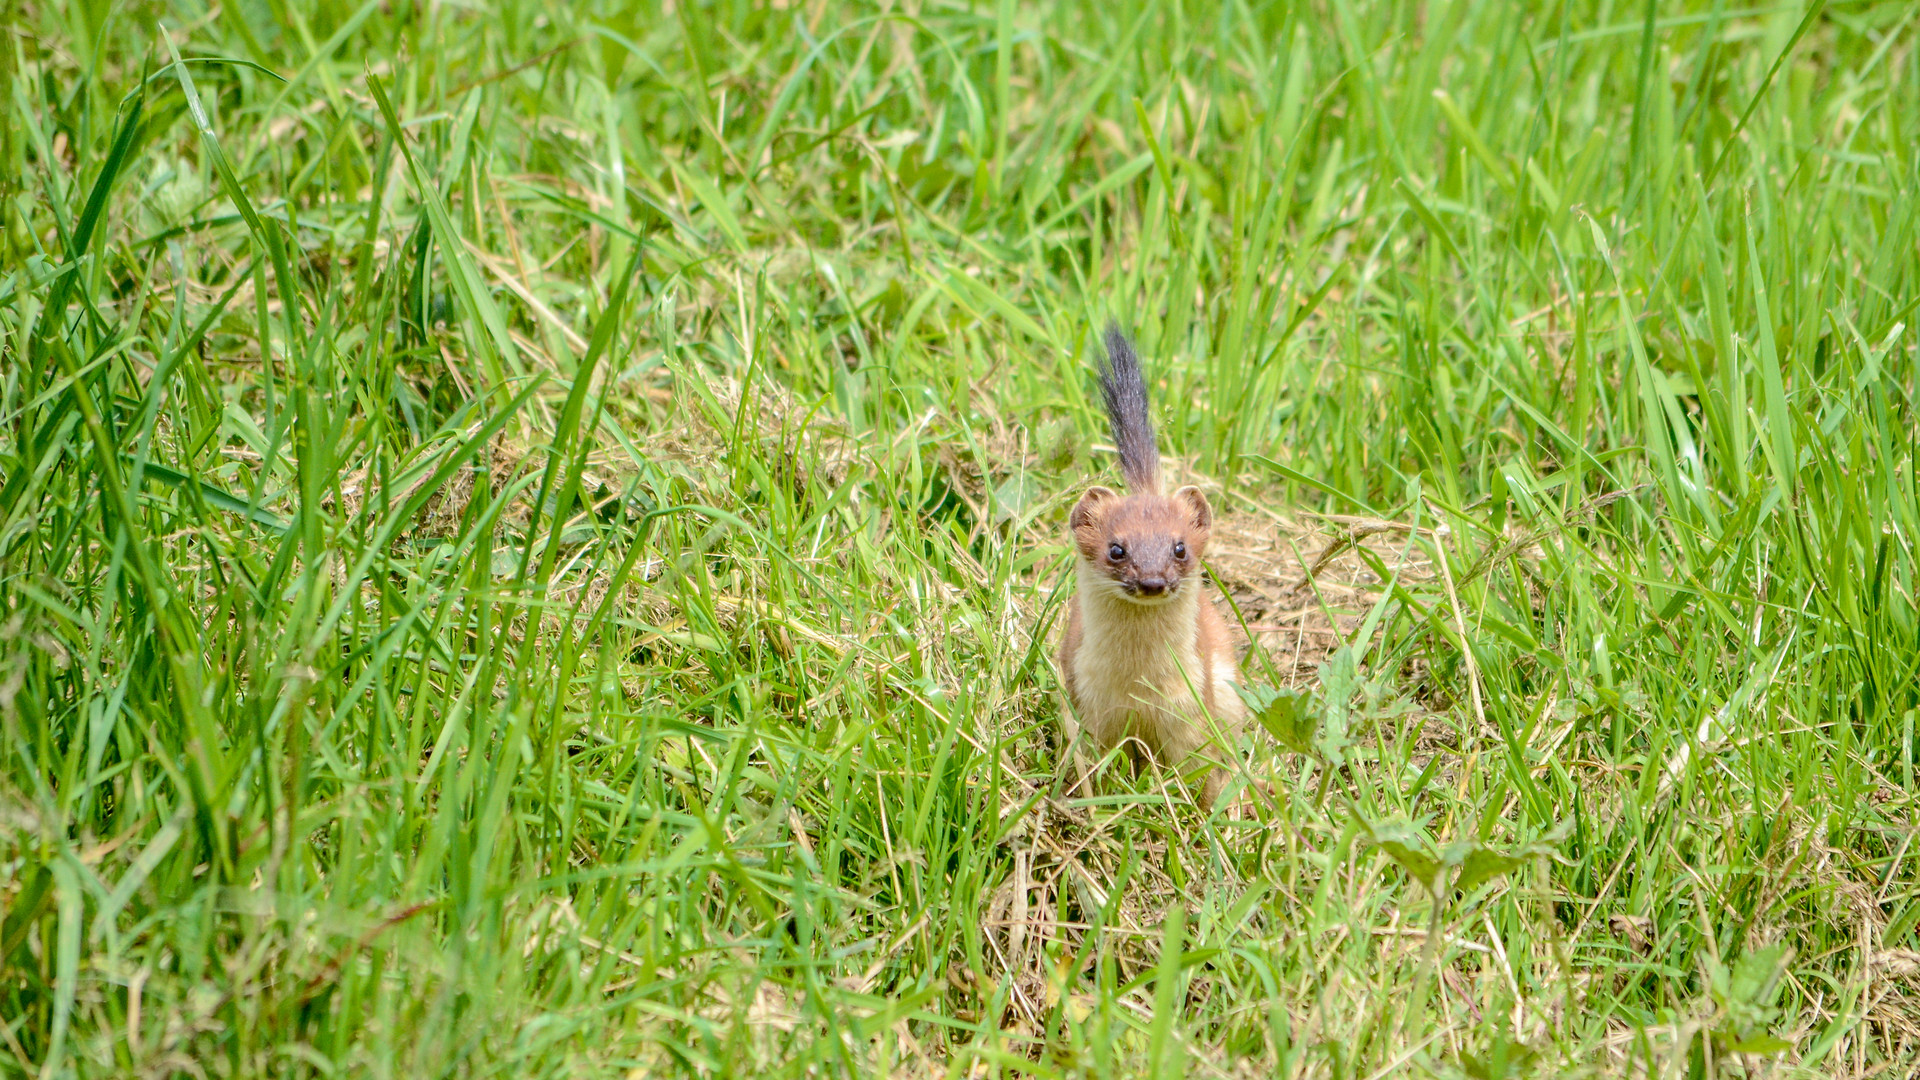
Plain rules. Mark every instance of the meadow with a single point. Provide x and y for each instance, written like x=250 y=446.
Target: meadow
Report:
x=531 y=537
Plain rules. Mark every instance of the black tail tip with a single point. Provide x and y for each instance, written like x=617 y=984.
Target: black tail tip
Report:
x=1119 y=346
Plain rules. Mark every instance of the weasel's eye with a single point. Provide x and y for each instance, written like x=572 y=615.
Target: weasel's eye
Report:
x=1179 y=550
x=1116 y=552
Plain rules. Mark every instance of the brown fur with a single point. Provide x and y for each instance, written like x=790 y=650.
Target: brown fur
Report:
x=1146 y=660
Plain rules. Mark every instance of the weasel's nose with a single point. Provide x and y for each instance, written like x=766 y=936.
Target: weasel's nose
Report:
x=1151 y=586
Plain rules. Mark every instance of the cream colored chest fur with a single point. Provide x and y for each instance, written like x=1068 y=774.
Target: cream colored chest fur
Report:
x=1138 y=672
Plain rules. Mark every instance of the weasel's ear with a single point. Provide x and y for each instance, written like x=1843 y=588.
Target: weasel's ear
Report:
x=1087 y=512
x=1195 y=503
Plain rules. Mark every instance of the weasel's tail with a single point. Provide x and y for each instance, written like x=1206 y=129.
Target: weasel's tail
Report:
x=1126 y=395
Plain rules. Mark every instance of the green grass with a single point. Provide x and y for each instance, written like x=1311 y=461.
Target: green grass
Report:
x=529 y=537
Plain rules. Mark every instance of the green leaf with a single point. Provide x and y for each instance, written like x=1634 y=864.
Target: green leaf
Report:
x=1339 y=679
x=1756 y=975
x=1470 y=862
x=1016 y=498
x=1407 y=844
x=1288 y=716
x=1503 y=1059
x=215 y=497
x=1483 y=864
x=1760 y=1044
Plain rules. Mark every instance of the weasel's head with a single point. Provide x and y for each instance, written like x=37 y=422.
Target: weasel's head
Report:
x=1147 y=547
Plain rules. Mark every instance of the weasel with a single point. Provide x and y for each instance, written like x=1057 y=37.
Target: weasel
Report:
x=1146 y=662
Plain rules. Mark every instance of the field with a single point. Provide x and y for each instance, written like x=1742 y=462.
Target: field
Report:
x=531 y=537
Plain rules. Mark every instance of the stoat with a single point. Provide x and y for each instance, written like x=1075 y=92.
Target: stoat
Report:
x=1146 y=661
